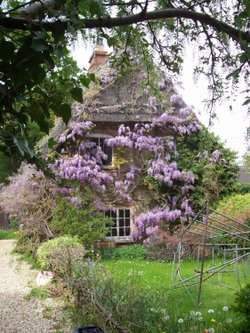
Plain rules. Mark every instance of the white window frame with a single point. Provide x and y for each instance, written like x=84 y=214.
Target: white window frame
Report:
x=118 y=227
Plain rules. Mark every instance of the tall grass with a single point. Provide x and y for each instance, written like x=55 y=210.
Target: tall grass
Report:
x=5 y=234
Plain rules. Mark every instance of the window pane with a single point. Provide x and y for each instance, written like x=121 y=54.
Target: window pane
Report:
x=127 y=222
x=107 y=213
x=127 y=213
x=95 y=140
x=114 y=232
x=113 y=214
x=127 y=231
x=121 y=223
x=121 y=213
x=121 y=232
x=109 y=152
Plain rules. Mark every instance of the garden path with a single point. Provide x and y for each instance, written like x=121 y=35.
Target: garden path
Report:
x=19 y=314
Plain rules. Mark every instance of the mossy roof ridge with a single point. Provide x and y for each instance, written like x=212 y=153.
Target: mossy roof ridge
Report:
x=125 y=99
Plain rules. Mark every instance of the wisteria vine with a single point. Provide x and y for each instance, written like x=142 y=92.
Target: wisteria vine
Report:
x=84 y=164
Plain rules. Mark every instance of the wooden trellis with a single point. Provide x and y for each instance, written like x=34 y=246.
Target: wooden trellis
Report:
x=208 y=230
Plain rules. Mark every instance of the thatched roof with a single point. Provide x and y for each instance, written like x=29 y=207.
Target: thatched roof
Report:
x=125 y=100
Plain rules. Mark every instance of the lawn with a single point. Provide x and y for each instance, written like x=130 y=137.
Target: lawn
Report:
x=218 y=291
x=6 y=234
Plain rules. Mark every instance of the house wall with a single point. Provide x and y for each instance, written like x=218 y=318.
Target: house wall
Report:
x=143 y=198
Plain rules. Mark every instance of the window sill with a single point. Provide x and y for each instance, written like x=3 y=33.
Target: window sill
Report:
x=120 y=239
x=108 y=167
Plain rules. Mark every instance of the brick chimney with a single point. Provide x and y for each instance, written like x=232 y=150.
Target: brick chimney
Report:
x=97 y=58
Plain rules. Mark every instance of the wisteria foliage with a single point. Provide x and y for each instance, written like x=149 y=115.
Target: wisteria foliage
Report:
x=83 y=164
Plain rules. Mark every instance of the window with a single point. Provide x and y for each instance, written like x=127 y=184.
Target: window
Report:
x=120 y=226
x=99 y=140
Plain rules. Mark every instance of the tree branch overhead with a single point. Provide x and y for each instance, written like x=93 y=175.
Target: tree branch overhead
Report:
x=23 y=23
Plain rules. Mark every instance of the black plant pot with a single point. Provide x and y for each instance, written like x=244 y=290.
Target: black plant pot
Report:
x=88 y=329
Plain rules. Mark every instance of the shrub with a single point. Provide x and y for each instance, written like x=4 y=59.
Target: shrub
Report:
x=242 y=306
x=164 y=248
x=14 y=224
x=236 y=206
x=136 y=252
x=242 y=188
x=61 y=255
x=29 y=197
x=85 y=222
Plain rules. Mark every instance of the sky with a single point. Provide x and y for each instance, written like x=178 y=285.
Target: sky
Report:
x=229 y=125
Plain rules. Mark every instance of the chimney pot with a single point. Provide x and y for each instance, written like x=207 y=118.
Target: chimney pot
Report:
x=98 y=57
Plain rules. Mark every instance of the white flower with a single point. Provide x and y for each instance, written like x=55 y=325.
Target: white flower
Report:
x=229 y=320
x=210 y=311
x=200 y=318
x=180 y=321
x=225 y=308
x=130 y=274
x=140 y=273
x=198 y=314
x=211 y=330
x=167 y=318
x=192 y=313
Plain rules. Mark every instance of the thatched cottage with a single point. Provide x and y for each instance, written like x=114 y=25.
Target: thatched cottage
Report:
x=124 y=100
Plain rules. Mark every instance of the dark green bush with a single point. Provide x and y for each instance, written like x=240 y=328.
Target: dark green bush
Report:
x=125 y=252
x=242 y=307
x=242 y=188
x=88 y=224
x=14 y=224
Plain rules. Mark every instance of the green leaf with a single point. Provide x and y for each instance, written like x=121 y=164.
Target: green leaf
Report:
x=22 y=77
x=234 y=74
x=37 y=115
x=243 y=57
x=60 y=2
x=48 y=59
x=64 y=111
x=51 y=143
x=59 y=52
x=56 y=100
x=92 y=76
x=247 y=101
x=85 y=80
x=95 y=8
x=6 y=50
x=58 y=30
x=77 y=94
x=38 y=74
x=39 y=44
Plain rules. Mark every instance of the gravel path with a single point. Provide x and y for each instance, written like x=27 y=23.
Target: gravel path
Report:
x=18 y=314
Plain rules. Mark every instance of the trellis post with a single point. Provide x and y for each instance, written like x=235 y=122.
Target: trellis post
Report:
x=203 y=254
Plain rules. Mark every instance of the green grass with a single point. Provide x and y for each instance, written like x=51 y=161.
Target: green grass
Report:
x=6 y=234
x=218 y=291
x=39 y=293
x=28 y=258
